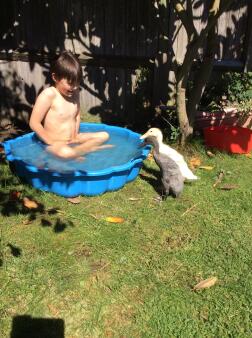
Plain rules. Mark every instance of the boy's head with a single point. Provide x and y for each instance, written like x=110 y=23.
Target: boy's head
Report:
x=67 y=66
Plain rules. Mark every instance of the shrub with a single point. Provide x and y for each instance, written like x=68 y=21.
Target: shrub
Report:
x=231 y=88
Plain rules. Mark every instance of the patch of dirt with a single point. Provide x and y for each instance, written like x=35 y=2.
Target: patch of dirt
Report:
x=177 y=242
x=83 y=252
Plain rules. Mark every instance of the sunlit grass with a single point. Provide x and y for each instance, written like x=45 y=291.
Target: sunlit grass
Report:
x=132 y=279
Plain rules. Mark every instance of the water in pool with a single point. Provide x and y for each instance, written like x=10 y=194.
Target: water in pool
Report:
x=34 y=153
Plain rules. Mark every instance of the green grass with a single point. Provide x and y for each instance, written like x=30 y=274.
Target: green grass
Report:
x=132 y=279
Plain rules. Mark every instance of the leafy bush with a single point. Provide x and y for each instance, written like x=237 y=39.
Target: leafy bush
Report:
x=231 y=88
x=239 y=86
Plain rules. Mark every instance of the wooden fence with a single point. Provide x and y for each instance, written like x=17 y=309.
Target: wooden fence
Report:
x=125 y=47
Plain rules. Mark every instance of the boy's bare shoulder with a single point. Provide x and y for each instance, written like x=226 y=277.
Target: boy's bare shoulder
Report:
x=48 y=93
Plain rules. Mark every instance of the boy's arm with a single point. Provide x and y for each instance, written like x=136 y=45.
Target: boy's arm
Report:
x=40 y=109
x=77 y=126
x=77 y=118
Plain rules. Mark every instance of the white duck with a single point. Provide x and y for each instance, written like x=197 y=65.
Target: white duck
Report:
x=171 y=153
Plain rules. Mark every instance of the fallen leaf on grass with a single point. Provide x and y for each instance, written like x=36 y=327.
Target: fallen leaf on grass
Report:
x=135 y=198
x=54 y=311
x=114 y=219
x=210 y=154
x=30 y=204
x=206 y=167
x=74 y=200
x=150 y=157
x=14 y=195
x=206 y=283
x=195 y=162
x=27 y=221
x=249 y=155
x=228 y=187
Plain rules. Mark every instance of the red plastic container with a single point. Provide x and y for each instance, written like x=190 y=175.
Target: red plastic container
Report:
x=235 y=140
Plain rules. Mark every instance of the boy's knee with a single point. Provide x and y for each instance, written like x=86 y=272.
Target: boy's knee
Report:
x=65 y=153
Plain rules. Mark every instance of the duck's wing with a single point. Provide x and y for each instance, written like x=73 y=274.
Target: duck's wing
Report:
x=172 y=153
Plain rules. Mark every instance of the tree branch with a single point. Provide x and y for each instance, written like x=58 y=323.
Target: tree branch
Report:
x=186 y=18
x=218 y=7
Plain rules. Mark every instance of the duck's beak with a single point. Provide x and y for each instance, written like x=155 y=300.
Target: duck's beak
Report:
x=144 y=136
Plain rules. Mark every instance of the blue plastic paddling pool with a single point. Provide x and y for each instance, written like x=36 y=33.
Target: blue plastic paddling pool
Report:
x=101 y=171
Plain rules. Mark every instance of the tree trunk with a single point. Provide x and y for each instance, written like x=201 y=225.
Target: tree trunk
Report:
x=202 y=76
x=185 y=128
x=195 y=42
x=181 y=85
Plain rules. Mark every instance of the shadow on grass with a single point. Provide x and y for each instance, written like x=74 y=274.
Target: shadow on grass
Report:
x=12 y=204
x=151 y=176
x=28 y=327
x=11 y=197
x=15 y=251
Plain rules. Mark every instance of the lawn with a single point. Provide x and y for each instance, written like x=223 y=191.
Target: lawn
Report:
x=64 y=268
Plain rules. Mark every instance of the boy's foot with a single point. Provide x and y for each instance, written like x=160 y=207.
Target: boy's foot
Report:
x=74 y=200
x=103 y=146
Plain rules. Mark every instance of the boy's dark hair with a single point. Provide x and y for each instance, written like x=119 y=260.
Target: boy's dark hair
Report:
x=67 y=66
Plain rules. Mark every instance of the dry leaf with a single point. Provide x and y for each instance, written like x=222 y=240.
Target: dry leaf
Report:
x=150 y=157
x=210 y=154
x=249 y=155
x=54 y=311
x=134 y=199
x=74 y=200
x=114 y=219
x=27 y=221
x=206 y=167
x=206 y=283
x=228 y=186
x=29 y=203
x=195 y=162
x=14 y=195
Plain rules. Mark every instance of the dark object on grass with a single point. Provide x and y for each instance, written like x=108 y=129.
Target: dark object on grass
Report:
x=171 y=177
x=26 y=326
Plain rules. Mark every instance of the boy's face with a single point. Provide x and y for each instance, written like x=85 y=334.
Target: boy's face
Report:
x=65 y=87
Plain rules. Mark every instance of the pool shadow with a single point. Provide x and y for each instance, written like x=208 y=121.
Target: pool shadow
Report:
x=27 y=327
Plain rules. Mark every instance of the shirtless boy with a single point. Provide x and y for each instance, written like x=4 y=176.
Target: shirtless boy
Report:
x=55 y=116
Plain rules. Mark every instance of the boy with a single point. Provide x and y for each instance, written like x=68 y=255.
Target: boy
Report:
x=55 y=116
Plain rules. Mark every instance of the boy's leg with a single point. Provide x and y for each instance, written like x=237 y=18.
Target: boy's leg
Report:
x=101 y=137
x=62 y=151
x=78 y=150
x=90 y=145
x=88 y=142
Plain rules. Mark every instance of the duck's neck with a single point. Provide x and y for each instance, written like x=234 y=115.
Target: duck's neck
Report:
x=159 y=139
x=156 y=144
